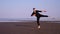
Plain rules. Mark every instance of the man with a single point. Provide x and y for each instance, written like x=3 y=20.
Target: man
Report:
x=38 y=15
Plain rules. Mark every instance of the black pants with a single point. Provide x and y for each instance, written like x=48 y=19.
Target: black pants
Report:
x=38 y=17
x=38 y=21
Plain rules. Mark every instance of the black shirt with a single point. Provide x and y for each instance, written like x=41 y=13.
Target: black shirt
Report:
x=37 y=13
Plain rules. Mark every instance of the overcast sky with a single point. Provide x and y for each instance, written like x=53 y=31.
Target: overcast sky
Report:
x=23 y=8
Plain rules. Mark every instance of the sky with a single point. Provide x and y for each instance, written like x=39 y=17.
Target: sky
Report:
x=23 y=8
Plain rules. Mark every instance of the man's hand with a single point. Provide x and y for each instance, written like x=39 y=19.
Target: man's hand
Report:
x=45 y=11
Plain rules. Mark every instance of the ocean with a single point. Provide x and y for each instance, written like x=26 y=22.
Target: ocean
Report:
x=24 y=19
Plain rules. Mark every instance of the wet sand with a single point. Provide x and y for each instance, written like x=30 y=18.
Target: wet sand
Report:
x=47 y=27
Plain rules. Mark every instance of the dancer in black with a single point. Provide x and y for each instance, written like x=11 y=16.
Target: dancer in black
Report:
x=38 y=15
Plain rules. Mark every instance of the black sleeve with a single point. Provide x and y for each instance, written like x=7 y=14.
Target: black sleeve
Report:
x=32 y=14
x=38 y=11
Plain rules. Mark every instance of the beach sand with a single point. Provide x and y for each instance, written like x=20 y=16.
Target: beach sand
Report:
x=47 y=27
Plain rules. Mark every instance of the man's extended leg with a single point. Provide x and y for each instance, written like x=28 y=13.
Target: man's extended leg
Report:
x=44 y=15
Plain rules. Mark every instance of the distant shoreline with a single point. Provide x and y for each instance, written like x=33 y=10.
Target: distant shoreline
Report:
x=29 y=21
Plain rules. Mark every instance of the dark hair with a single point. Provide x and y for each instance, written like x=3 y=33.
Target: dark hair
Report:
x=33 y=8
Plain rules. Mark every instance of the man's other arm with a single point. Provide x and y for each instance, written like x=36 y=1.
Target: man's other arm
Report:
x=32 y=14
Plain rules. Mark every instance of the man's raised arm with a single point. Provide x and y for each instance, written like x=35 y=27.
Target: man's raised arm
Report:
x=38 y=11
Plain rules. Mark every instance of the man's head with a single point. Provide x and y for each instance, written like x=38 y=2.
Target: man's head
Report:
x=33 y=8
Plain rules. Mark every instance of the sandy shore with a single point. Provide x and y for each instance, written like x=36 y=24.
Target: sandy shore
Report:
x=29 y=28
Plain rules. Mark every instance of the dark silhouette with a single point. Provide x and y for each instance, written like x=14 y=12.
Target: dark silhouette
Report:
x=38 y=15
